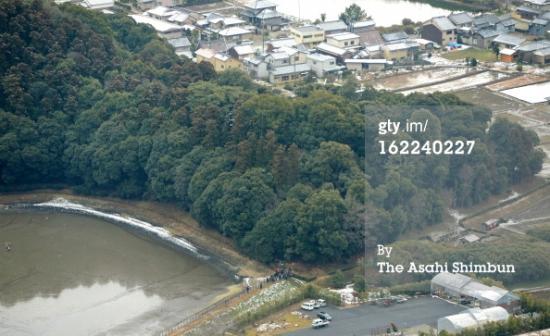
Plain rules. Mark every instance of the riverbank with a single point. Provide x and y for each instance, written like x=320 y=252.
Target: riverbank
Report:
x=167 y=216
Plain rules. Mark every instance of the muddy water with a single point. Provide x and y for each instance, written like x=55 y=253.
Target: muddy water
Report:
x=76 y=275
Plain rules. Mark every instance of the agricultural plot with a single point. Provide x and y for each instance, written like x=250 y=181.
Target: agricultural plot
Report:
x=413 y=79
x=461 y=83
x=532 y=94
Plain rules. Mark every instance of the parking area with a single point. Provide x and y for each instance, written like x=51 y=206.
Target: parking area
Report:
x=370 y=319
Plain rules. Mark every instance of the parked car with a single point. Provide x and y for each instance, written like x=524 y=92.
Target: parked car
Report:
x=308 y=305
x=318 y=323
x=321 y=303
x=402 y=299
x=324 y=316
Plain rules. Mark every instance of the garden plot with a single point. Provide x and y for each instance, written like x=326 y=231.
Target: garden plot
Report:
x=533 y=94
x=516 y=82
x=413 y=79
x=461 y=83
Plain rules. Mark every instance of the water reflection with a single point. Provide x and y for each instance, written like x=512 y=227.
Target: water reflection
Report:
x=384 y=12
x=70 y=274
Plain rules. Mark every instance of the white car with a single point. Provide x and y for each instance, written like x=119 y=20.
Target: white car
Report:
x=321 y=303
x=308 y=305
x=318 y=323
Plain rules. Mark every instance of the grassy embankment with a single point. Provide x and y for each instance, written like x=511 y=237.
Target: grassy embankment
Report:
x=484 y=55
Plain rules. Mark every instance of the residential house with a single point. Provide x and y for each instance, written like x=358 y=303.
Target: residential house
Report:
x=322 y=65
x=362 y=26
x=367 y=65
x=146 y=4
x=161 y=13
x=372 y=52
x=399 y=36
x=182 y=46
x=204 y=55
x=254 y=8
x=308 y=35
x=236 y=34
x=370 y=38
x=507 y=24
x=344 y=40
x=271 y=20
x=181 y=18
x=256 y=67
x=541 y=5
x=461 y=20
x=542 y=56
x=241 y=52
x=289 y=73
x=333 y=27
x=526 y=52
x=278 y=43
x=220 y=61
x=484 y=38
x=486 y=20
x=402 y=52
x=509 y=40
x=440 y=30
x=98 y=4
x=426 y=44
x=340 y=53
x=285 y=56
x=164 y=29
x=527 y=13
x=539 y=27
x=218 y=22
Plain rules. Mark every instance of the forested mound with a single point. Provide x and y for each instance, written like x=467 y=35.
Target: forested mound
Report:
x=100 y=103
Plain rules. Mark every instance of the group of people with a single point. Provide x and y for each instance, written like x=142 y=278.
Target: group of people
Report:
x=280 y=274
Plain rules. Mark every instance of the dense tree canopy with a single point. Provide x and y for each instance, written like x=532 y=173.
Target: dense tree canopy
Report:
x=101 y=104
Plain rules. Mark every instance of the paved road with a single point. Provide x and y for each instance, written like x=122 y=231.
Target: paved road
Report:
x=365 y=319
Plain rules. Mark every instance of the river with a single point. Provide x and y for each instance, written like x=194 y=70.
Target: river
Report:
x=383 y=12
x=70 y=274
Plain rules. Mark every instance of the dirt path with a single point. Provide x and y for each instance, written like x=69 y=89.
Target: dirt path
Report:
x=169 y=216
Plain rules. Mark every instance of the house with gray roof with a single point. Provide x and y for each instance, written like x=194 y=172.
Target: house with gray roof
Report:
x=486 y=20
x=461 y=19
x=182 y=46
x=289 y=73
x=399 y=36
x=509 y=40
x=484 y=38
x=542 y=56
x=440 y=30
x=371 y=38
x=541 y=5
x=362 y=26
x=322 y=64
x=263 y=14
x=539 y=26
x=333 y=27
x=526 y=52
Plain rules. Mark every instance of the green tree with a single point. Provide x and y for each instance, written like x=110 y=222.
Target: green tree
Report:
x=353 y=14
